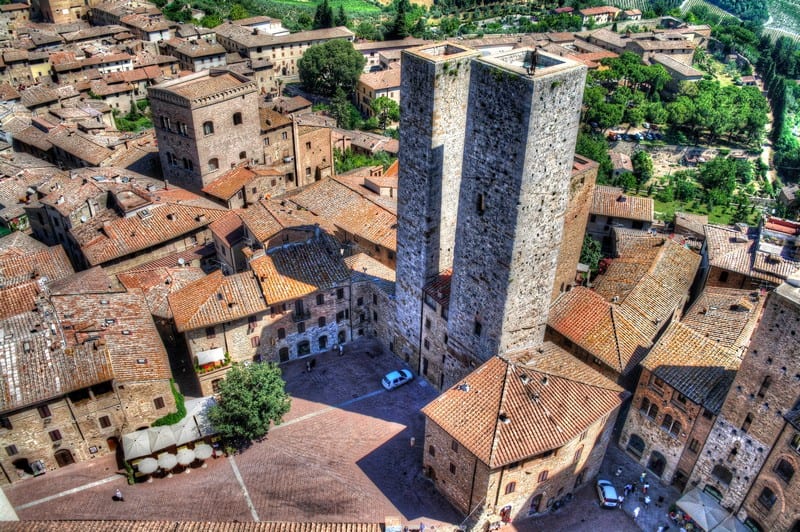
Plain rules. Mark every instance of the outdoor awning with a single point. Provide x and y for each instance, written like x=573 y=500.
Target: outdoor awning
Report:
x=136 y=444
x=186 y=431
x=160 y=438
x=702 y=508
x=210 y=356
x=731 y=524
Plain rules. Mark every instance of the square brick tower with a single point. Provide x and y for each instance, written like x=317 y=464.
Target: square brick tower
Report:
x=434 y=92
x=205 y=124
x=522 y=125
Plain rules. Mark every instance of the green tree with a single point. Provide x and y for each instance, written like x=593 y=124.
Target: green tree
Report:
x=238 y=12
x=251 y=399
x=329 y=66
x=642 y=167
x=596 y=149
x=590 y=253
x=341 y=17
x=340 y=109
x=323 y=16
x=398 y=29
x=366 y=30
x=385 y=110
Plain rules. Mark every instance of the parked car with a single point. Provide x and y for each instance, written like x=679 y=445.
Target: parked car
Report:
x=393 y=379
x=607 y=494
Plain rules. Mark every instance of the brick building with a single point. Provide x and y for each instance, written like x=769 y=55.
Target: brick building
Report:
x=611 y=208
x=206 y=123
x=751 y=427
x=684 y=380
x=490 y=444
x=70 y=401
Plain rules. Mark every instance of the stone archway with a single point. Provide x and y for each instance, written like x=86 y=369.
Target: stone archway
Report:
x=657 y=463
x=64 y=457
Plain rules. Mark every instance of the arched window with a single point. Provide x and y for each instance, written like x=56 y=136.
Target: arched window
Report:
x=237 y=119
x=671 y=425
x=722 y=473
x=242 y=155
x=636 y=445
x=543 y=475
x=208 y=128
x=784 y=470
x=649 y=409
x=213 y=164
x=645 y=404
x=767 y=498
x=511 y=487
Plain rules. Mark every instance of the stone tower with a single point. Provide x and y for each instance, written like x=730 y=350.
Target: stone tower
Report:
x=522 y=125
x=205 y=124
x=751 y=419
x=434 y=91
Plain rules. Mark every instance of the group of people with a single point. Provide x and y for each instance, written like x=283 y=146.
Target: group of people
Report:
x=631 y=488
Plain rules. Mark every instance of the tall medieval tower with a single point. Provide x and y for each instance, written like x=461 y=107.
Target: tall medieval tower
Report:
x=487 y=149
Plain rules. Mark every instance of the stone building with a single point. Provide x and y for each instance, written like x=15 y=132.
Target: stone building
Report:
x=384 y=83
x=490 y=444
x=611 y=208
x=63 y=11
x=477 y=228
x=72 y=399
x=751 y=423
x=684 y=380
x=206 y=123
x=581 y=192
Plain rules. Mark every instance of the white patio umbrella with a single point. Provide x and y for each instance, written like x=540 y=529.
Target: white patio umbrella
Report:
x=135 y=444
x=160 y=438
x=147 y=466
x=186 y=431
x=186 y=457
x=702 y=508
x=167 y=461
x=203 y=451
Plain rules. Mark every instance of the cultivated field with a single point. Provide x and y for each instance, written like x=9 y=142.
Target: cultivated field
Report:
x=784 y=19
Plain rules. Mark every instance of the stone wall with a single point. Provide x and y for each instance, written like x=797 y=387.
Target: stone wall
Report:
x=657 y=438
x=784 y=514
x=314 y=154
x=434 y=92
x=581 y=192
x=765 y=388
x=518 y=156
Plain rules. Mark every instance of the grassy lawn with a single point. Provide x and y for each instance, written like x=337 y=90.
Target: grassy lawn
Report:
x=718 y=215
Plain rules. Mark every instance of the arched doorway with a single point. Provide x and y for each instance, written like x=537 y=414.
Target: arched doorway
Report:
x=657 y=463
x=323 y=342
x=283 y=354
x=535 y=503
x=64 y=458
x=636 y=445
x=112 y=443
x=342 y=336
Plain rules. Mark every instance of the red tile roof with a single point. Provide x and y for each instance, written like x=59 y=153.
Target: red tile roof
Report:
x=229 y=183
x=612 y=201
x=439 y=288
x=546 y=395
x=158 y=283
x=727 y=316
x=215 y=299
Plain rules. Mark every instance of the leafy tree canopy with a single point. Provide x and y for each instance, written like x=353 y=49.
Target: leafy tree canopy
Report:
x=323 y=16
x=386 y=110
x=251 y=399
x=330 y=66
x=590 y=253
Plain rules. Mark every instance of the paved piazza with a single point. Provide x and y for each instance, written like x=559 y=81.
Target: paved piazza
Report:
x=343 y=454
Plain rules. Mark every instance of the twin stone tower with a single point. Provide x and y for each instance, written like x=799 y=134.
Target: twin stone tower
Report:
x=486 y=153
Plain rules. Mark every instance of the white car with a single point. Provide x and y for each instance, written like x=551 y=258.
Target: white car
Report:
x=607 y=494
x=393 y=379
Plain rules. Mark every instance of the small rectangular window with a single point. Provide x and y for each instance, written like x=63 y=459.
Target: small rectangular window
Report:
x=44 y=411
x=452 y=468
x=340 y=293
x=301 y=327
x=255 y=341
x=11 y=450
x=158 y=402
x=477 y=328
x=210 y=332
x=55 y=435
x=104 y=421
x=454 y=446
x=6 y=423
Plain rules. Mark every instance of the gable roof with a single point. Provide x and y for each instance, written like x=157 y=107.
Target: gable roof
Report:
x=736 y=250
x=214 y=299
x=294 y=271
x=158 y=283
x=606 y=331
x=696 y=366
x=613 y=202
x=546 y=395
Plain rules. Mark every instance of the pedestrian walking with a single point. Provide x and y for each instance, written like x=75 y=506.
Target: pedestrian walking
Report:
x=308 y=366
x=647 y=501
x=118 y=495
x=341 y=349
x=421 y=527
x=627 y=489
x=313 y=363
x=621 y=500
x=645 y=488
x=642 y=477
x=636 y=513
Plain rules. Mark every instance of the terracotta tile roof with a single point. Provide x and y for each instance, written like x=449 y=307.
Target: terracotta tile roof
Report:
x=20 y=265
x=620 y=161
x=350 y=210
x=606 y=331
x=297 y=270
x=546 y=395
x=192 y=256
x=439 y=288
x=203 y=84
x=731 y=249
x=18 y=299
x=79 y=146
x=364 y=268
x=122 y=320
x=158 y=283
x=91 y=281
x=611 y=201
x=696 y=366
x=214 y=299
x=228 y=228
x=267 y=218
x=726 y=316
x=34 y=367
x=382 y=80
x=229 y=183
x=111 y=238
x=600 y=10
x=689 y=222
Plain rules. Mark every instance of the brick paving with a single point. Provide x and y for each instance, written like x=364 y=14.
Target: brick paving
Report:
x=343 y=454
